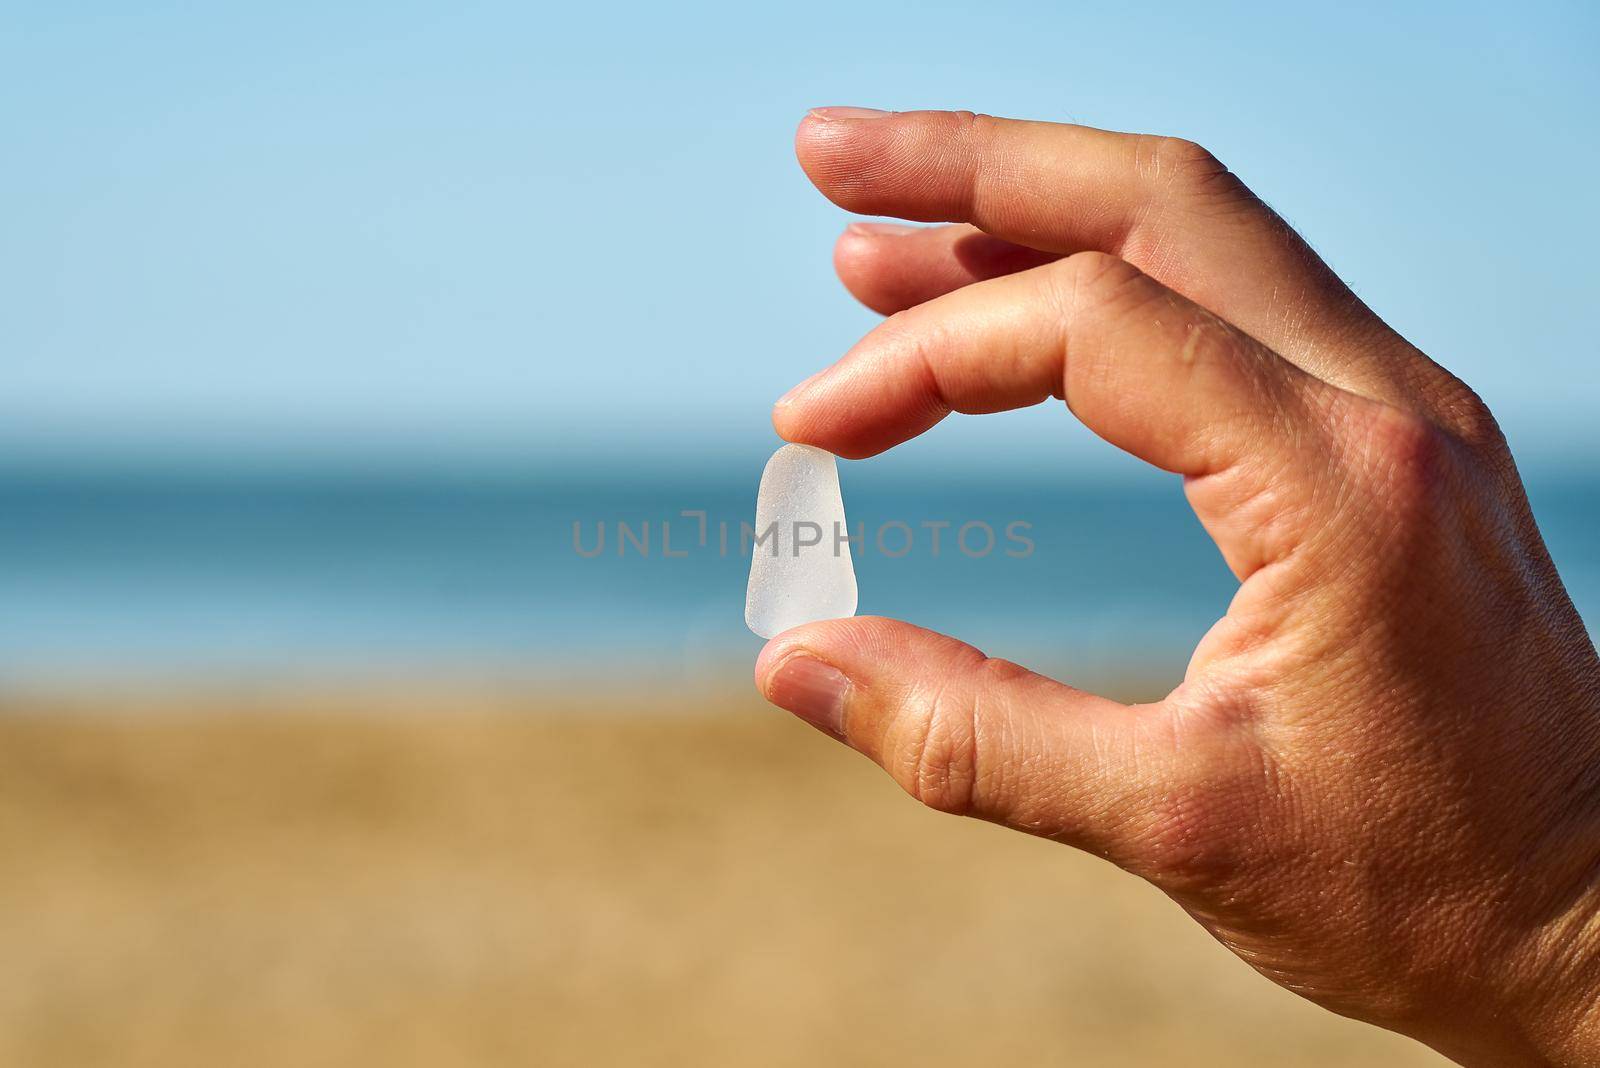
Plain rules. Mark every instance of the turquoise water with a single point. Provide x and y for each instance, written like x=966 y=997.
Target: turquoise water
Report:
x=265 y=573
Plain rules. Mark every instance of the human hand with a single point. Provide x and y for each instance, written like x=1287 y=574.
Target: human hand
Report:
x=1379 y=783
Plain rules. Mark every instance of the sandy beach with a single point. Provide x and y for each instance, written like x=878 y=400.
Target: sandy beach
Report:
x=426 y=878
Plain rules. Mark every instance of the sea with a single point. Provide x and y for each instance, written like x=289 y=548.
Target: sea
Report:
x=603 y=577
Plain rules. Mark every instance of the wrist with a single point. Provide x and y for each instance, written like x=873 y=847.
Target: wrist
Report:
x=1529 y=1000
x=1524 y=985
x=1563 y=1011
x=1549 y=966
x=1557 y=1020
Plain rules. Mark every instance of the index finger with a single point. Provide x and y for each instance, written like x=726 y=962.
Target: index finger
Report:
x=1147 y=370
x=1142 y=367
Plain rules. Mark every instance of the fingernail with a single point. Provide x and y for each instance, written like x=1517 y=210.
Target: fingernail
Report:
x=794 y=394
x=812 y=690
x=882 y=229
x=830 y=114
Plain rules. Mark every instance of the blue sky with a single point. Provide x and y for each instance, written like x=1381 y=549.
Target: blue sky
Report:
x=493 y=229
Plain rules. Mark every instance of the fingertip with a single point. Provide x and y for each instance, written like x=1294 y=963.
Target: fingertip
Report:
x=765 y=661
x=814 y=130
x=809 y=671
x=854 y=253
x=859 y=259
x=835 y=640
x=810 y=422
x=796 y=392
x=788 y=412
x=821 y=120
x=859 y=407
x=857 y=245
x=812 y=689
x=800 y=417
x=784 y=425
x=831 y=142
x=772 y=654
x=853 y=643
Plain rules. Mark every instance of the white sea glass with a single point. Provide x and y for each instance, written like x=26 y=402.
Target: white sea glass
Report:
x=800 y=566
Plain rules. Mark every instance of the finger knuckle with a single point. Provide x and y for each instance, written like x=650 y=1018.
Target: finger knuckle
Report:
x=1194 y=832
x=978 y=138
x=939 y=764
x=1407 y=461
x=1094 y=282
x=1469 y=418
x=916 y=339
x=1191 y=837
x=974 y=126
x=1175 y=160
x=941 y=758
x=1083 y=288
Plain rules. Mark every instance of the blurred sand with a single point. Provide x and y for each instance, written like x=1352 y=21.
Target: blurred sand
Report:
x=426 y=879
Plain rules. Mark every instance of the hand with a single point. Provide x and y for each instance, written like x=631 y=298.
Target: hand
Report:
x=1379 y=783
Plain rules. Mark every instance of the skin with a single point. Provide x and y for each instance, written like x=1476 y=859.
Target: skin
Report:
x=1379 y=783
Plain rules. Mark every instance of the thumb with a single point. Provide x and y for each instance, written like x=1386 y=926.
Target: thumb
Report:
x=965 y=733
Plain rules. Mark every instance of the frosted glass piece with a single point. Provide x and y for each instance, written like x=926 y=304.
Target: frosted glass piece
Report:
x=800 y=566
